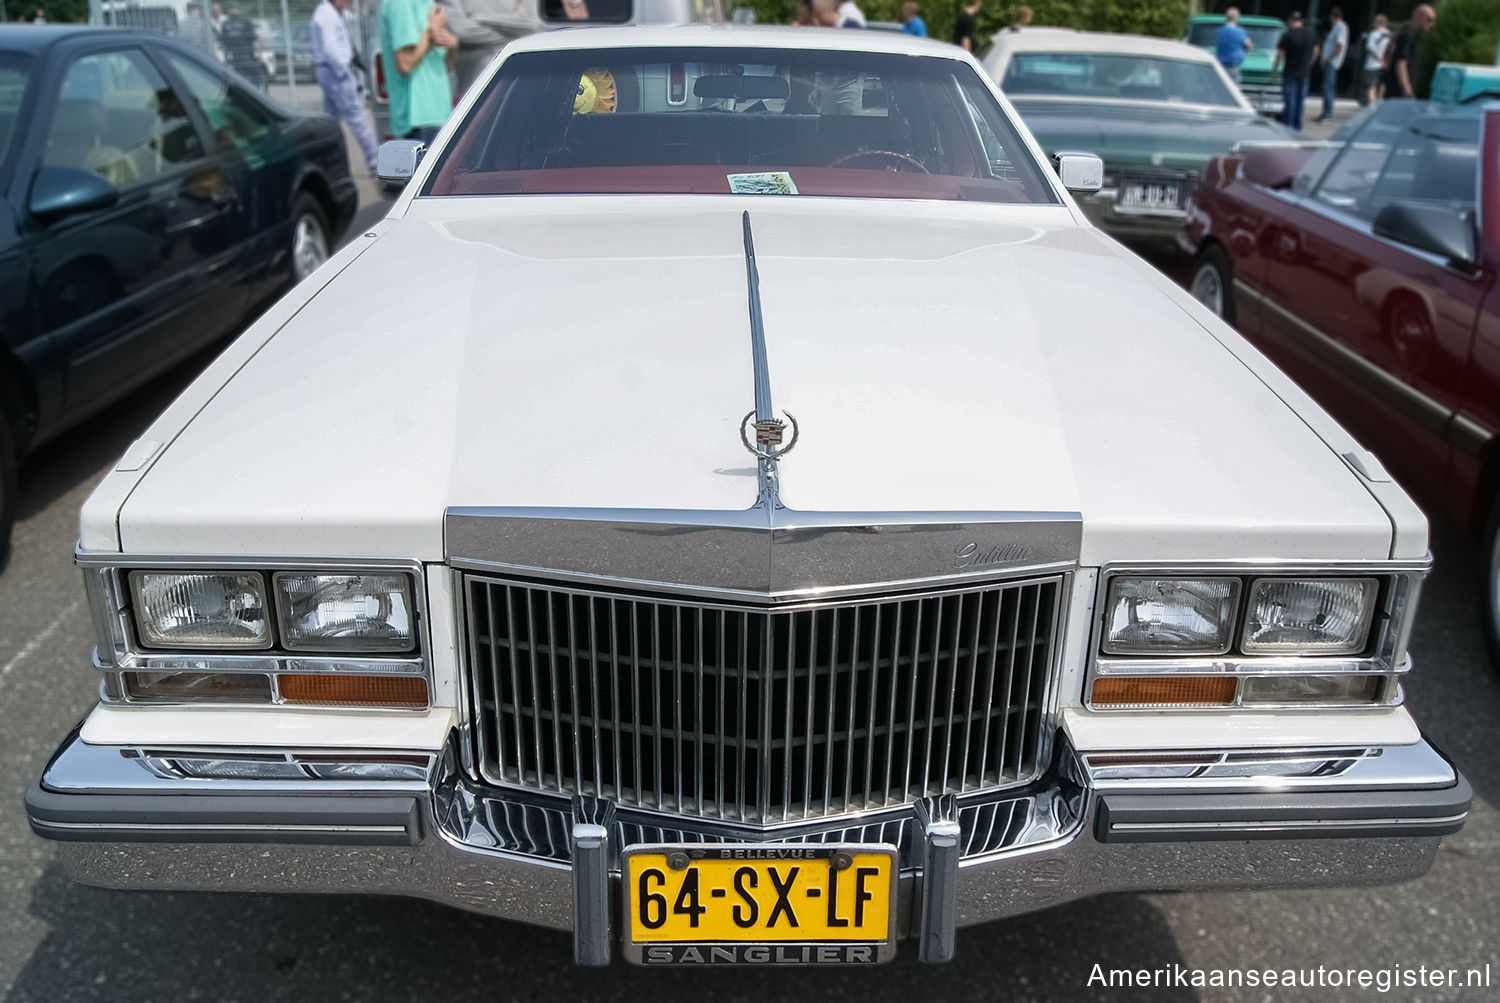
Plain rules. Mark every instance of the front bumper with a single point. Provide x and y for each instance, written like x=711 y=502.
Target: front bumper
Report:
x=398 y=823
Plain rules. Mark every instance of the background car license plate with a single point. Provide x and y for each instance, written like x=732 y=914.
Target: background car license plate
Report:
x=1149 y=195
x=759 y=904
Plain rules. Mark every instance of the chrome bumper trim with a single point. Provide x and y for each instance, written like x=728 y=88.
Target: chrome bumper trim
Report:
x=1062 y=839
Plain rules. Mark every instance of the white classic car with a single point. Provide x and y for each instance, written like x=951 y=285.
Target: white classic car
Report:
x=736 y=508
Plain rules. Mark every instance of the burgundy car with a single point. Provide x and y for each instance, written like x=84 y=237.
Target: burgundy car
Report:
x=1366 y=268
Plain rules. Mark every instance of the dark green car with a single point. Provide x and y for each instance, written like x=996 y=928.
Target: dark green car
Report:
x=1260 y=84
x=1155 y=111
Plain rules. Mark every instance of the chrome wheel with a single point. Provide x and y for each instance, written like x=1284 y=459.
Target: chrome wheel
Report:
x=1208 y=288
x=309 y=244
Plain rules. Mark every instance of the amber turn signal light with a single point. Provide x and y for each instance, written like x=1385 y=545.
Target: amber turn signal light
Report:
x=333 y=690
x=1164 y=691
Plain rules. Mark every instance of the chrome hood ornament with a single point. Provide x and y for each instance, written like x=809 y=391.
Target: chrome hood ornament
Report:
x=770 y=431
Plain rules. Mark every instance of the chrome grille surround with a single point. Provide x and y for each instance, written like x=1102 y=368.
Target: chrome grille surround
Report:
x=761 y=713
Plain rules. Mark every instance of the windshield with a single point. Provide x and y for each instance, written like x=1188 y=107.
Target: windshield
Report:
x=13 y=67
x=1205 y=36
x=742 y=120
x=1110 y=75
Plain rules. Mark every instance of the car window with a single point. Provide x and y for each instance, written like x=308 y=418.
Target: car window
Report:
x=1350 y=178
x=740 y=121
x=1434 y=161
x=13 y=75
x=116 y=116
x=1115 y=75
x=235 y=117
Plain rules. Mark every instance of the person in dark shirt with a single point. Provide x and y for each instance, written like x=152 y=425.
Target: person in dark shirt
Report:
x=1295 y=54
x=1398 y=69
x=963 y=27
x=242 y=47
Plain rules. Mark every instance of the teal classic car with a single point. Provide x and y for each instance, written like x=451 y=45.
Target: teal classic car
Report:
x=1259 y=82
x=1156 y=111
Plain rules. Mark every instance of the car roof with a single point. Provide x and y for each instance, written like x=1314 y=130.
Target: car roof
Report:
x=767 y=36
x=39 y=37
x=1067 y=40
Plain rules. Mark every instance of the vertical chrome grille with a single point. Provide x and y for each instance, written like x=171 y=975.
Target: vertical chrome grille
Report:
x=759 y=714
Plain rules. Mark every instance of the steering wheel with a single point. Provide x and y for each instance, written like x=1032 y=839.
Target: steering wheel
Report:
x=890 y=159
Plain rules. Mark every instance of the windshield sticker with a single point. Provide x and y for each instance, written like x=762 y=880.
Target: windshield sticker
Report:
x=770 y=183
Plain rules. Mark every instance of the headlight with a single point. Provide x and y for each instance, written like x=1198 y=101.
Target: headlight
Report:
x=1316 y=616
x=344 y=612
x=222 y=610
x=1170 y=616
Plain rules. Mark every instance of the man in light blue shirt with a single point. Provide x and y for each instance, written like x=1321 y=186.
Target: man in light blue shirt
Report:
x=341 y=97
x=1230 y=43
x=910 y=23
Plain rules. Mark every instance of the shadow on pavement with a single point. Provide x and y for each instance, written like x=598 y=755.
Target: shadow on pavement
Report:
x=120 y=946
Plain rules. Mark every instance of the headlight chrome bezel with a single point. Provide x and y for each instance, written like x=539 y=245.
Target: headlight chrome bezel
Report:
x=1382 y=653
x=122 y=656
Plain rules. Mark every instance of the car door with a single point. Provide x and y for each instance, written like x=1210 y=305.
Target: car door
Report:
x=255 y=153
x=126 y=289
x=1381 y=329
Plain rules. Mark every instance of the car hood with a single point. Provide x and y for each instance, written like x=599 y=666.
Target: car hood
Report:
x=577 y=353
x=1130 y=134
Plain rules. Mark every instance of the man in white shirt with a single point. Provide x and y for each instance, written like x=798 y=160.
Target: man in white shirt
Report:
x=341 y=97
x=1376 y=44
x=850 y=16
x=1335 y=46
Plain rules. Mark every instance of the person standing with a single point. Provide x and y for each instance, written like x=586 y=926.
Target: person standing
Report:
x=482 y=28
x=1403 y=57
x=1231 y=43
x=1376 y=45
x=911 y=24
x=242 y=47
x=416 y=45
x=1021 y=20
x=963 y=26
x=1335 y=47
x=332 y=54
x=850 y=16
x=195 y=30
x=1295 y=55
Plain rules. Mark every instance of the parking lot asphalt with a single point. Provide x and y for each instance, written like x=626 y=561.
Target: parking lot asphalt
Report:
x=61 y=941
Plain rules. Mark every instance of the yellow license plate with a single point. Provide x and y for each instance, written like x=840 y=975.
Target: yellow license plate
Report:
x=759 y=904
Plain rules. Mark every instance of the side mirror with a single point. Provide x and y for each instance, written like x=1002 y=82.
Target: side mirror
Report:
x=59 y=192
x=1447 y=233
x=1080 y=172
x=396 y=161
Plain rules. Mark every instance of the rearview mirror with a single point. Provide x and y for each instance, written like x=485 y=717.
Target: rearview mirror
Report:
x=396 y=161
x=1448 y=233
x=1080 y=172
x=59 y=192
x=740 y=87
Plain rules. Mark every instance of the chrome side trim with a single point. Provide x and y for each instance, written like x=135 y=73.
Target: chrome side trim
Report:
x=1468 y=435
x=1312 y=826
x=761 y=555
x=1408 y=767
x=1430 y=414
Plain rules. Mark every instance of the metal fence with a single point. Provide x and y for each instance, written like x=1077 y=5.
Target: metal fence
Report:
x=268 y=42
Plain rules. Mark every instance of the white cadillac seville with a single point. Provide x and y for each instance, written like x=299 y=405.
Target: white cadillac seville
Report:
x=736 y=508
